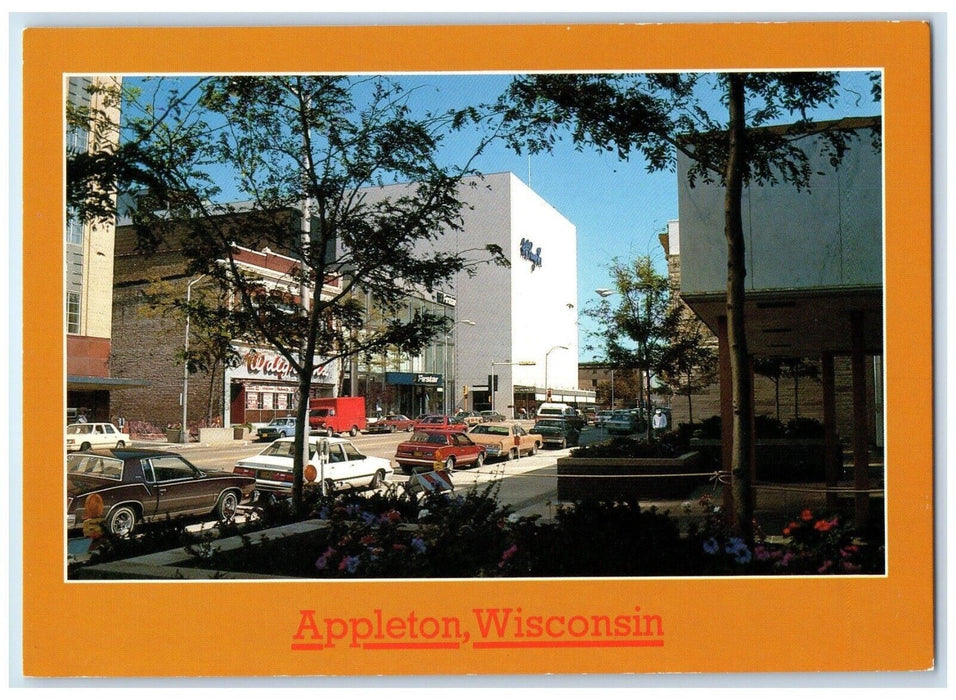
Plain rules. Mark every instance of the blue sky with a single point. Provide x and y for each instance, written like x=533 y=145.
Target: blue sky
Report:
x=617 y=206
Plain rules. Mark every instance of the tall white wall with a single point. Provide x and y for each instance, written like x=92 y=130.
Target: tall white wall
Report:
x=544 y=296
x=825 y=237
x=518 y=313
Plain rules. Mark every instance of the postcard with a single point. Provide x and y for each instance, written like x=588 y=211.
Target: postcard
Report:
x=526 y=335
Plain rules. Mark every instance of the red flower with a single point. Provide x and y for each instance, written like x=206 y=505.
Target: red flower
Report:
x=822 y=526
x=807 y=515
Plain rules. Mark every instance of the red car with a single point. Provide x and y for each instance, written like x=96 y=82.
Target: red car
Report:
x=435 y=450
x=391 y=423
x=440 y=422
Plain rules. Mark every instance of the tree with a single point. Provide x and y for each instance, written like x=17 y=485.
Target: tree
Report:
x=636 y=330
x=690 y=364
x=310 y=155
x=657 y=115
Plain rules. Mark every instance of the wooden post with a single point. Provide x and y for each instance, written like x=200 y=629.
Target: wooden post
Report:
x=833 y=459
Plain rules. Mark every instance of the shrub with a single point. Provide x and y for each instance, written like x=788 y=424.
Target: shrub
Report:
x=804 y=429
x=666 y=446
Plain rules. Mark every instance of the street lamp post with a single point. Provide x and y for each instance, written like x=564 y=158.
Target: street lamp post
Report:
x=445 y=400
x=184 y=432
x=556 y=347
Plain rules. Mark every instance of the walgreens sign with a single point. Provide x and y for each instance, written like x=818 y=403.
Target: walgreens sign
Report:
x=257 y=364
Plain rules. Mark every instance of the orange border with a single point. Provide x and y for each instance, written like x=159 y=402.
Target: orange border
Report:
x=727 y=625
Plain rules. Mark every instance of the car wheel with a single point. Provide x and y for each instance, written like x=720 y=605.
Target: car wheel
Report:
x=480 y=460
x=120 y=445
x=510 y=456
x=391 y=428
x=85 y=447
x=534 y=449
x=329 y=487
x=377 y=479
x=354 y=431
x=564 y=444
x=227 y=506
x=122 y=521
x=450 y=464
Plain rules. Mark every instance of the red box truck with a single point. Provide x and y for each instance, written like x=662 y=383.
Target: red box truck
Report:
x=345 y=414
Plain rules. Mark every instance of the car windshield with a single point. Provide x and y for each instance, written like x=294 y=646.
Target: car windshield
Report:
x=284 y=448
x=549 y=424
x=490 y=430
x=79 y=429
x=550 y=412
x=95 y=465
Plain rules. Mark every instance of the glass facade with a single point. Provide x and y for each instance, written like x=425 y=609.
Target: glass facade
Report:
x=394 y=382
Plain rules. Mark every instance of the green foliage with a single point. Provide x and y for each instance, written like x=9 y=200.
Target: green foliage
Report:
x=309 y=155
x=667 y=446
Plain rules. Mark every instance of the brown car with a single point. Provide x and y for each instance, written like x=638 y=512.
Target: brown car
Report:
x=505 y=440
x=142 y=485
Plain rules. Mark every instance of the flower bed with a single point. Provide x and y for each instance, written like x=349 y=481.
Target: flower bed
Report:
x=392 y=537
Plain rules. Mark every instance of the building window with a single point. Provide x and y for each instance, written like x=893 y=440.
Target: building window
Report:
x=73 y=312
x=74 y=227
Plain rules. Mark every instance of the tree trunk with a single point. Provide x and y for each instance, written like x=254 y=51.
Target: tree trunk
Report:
x=741 y=467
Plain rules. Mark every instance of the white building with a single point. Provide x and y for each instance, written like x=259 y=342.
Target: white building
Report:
x=519 y=322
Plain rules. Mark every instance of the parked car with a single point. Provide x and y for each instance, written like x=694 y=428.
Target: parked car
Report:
x=435 y=450
x=86 y=436
x=336 y=461
x=556 y=432
x=391 y=424
x=601 y=417
x=621 y=423
x=505 y=440
x=469 y=418
x=139 y=485
x=492 y=417
x=439 y=422
x=563 y=411
x=279 y=427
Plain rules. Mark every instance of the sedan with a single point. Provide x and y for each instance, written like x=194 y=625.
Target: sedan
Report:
x=491 y=417
x=278 y=428
x=143 y=485
x=336 y=462
x=85 y=436
x=439 y=422
x=468 y=418
x=391 y=424
x=437 y=450
x=556 y=432
x=505 y=440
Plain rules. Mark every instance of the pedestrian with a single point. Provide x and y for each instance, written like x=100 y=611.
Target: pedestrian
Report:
x=82 y=417
x=659 y=422
x=378 y=410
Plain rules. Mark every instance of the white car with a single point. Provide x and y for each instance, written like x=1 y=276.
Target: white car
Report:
x=335 y=461
x=87 y=436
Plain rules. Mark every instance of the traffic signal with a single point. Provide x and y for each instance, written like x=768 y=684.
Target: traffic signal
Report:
x=464 y=391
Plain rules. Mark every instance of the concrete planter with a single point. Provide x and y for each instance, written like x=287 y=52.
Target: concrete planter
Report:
x=628 y=479
x=241 y=433
x=175 y=435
